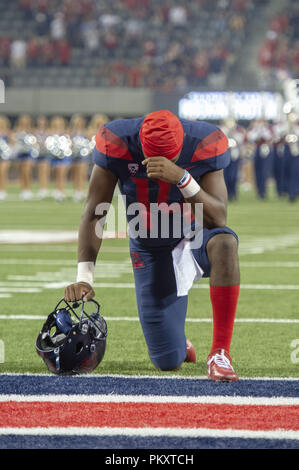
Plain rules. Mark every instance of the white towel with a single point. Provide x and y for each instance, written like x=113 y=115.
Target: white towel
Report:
x=186 y=268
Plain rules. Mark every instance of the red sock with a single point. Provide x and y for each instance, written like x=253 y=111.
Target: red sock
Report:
x=224 y=303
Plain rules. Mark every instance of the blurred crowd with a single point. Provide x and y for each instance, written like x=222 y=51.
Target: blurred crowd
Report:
x=54 y=151
x=49 y=149
x=142 y=42
x=279 y=53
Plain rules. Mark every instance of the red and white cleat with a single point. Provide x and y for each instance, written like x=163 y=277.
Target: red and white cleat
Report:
x=191 y=354
x=219 y=367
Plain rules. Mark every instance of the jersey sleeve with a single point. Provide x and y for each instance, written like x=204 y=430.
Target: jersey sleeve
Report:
x=110 y=151
x=211 y=153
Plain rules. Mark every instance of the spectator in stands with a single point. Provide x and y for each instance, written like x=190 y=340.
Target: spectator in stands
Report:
x=136 y=74
x=216 y=67
x=18 y=53
x=47 y=52
x=63 y=51
x=42 y=24
x=90 y=36
x=110 y=42
x=177 y=15
x=4 y=51
x=201 y=68
x=25 y=6
x=33 y=51
x=57 y=27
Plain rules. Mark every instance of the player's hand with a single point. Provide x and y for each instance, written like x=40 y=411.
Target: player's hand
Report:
x=77 y=290
x=163 y=169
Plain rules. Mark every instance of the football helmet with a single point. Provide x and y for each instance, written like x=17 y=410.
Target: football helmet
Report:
x=71 y=340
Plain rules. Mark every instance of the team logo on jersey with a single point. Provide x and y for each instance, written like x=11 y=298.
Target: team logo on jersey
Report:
x=133 y=168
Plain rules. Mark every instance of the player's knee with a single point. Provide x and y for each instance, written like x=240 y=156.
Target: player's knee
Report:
x=169 y=361
x=224 y=244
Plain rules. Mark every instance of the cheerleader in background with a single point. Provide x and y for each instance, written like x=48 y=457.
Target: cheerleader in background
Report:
x=24 y=142
x=5 y=155
x=95 y=123
x=80 y=155
x=59 y=145
x=43 y=160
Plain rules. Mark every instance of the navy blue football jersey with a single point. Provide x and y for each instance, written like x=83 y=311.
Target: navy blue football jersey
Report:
x=118 y=149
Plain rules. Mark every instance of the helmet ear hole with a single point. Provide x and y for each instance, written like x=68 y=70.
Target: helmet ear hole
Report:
x=79 y=347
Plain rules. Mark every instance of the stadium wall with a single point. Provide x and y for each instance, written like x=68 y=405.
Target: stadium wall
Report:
x=122 y=102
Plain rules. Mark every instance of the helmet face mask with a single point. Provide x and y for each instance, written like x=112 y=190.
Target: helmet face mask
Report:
x=71 y=343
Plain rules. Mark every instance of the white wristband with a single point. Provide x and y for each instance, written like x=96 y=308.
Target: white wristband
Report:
x=85 y=272
x=189 y=188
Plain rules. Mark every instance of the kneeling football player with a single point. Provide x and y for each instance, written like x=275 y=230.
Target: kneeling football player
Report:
x=159 y=159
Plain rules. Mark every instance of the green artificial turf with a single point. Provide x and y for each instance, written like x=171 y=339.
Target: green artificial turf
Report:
x=269 y=256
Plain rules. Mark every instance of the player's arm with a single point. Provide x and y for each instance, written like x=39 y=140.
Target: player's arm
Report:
x=101 y=189
x=211 y=192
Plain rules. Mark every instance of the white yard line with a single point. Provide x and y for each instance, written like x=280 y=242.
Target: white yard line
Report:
x=33 y=284
x=216 y=400
x=148 y=432
x=134 y=377
x=119 y=264
x=188 y=320
x=248 y=244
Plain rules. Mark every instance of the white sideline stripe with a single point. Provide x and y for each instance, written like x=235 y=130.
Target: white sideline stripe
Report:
x=134 y=377
x=148 y=432
x=121 y=265
x=217 y=400
x=48 y=236
x=269 y=264
x=129 y=285
x=73 y=263
x=136 y=319
x=32 y=290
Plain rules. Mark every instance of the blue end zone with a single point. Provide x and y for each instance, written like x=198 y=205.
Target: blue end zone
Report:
x=128 y=442
x=52 y=385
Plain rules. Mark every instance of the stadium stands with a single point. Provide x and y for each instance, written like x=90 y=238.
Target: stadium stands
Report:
x=279 y=53
x=122 y=43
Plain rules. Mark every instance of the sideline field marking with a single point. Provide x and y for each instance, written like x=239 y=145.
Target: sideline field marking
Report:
x=138 y=377
x=127 y=285
x=248 y=244
x=48 y=236
x=175 y=432
x=31 y=290
x=120 y=264
x=188 y=320
x=217 y=400
x=269 y=264
x=61 y=262
x=131 y=285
